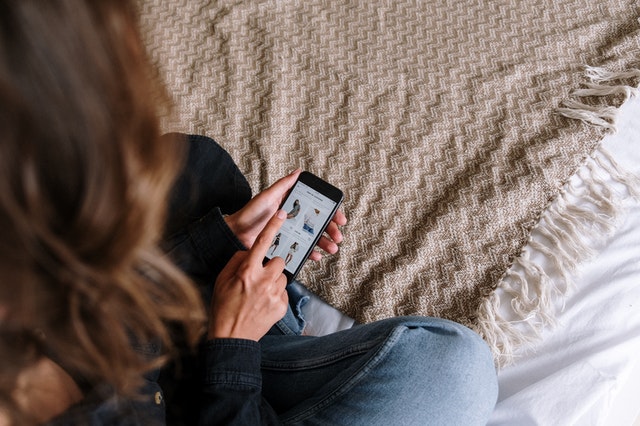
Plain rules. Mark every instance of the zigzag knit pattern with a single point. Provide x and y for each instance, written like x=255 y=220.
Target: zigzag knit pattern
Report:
x=436 y=118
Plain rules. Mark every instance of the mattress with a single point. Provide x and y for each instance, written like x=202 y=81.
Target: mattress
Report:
x=585 y=370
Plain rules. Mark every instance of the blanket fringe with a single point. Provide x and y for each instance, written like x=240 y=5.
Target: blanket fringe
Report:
x=603 y=116
x=567 y=233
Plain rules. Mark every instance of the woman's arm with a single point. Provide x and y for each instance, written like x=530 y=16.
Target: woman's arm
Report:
x=232 y=385
x=248 y=299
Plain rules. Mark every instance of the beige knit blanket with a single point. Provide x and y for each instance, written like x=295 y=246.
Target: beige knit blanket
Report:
x=439 y=120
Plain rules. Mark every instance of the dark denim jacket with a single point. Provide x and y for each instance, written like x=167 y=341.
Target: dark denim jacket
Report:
x=221 y=385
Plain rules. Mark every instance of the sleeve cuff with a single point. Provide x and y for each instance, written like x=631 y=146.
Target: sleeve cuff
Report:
x=213 y=240
x=232 y=363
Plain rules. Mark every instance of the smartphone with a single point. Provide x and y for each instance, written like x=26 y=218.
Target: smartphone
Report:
x=310 y=206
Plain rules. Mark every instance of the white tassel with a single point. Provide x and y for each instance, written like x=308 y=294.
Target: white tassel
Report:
x=606 y=161
x=561 y=241
x=602 y=116
x=566 y=233
x=594 y=89
x=564 y=238
x=599 y=75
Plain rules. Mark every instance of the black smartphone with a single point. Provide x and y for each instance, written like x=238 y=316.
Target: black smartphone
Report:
x=310 y=206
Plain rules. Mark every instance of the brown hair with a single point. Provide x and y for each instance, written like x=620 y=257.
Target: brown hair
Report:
x=84 y=179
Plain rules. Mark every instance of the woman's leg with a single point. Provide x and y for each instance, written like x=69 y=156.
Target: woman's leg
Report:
x=404 y=371
x=397 y=371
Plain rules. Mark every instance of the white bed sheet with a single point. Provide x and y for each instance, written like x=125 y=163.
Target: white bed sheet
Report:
x=585 y=371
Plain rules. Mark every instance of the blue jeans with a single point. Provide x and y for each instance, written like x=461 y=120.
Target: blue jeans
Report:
x=398 y=371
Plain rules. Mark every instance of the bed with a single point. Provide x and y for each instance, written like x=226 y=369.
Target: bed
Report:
x=475 y=142
x=585 y=370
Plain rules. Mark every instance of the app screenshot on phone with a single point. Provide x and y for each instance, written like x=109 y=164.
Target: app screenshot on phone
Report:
x=307 y=211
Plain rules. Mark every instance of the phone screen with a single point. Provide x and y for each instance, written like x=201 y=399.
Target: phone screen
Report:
x=308 y=213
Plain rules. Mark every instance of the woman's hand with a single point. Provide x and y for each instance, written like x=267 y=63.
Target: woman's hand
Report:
x=247 y=223
x=248 y=298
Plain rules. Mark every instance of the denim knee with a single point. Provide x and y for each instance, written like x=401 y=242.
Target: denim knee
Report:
x=460 y=366
x=406 y=370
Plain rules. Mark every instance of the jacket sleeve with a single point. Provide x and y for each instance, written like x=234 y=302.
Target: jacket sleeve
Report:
x=232 y=385
x=229 y=375
x=202 y=249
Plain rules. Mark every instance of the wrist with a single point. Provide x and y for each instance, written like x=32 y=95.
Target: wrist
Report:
x=234 y=223
x=216 y=331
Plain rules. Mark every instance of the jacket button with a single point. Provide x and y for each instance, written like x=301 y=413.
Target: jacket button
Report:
x=158 y=398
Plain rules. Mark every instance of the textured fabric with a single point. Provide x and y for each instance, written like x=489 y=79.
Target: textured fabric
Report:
x=436 y=118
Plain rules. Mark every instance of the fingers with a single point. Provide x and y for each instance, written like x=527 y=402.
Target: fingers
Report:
x=327 y=245
x=265 y=238
x=329 y=242
x=247 y=223
x=280 y=188
x=233 y=264
x=334 y=232
x=315 y=256
x=339 y=218
x=282 y=283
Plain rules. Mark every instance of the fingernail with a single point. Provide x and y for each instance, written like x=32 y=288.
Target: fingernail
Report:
x=295 y=171
x=281 y=214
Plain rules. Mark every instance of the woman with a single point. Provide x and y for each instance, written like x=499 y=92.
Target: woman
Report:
x=82 y=176
x=91 y=307
x=275 y=244
x=295 y=210
x=292 y=249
